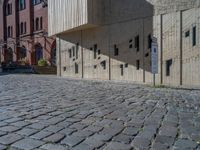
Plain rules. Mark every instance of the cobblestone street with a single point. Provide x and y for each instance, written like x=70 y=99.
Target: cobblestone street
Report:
x=51 y=113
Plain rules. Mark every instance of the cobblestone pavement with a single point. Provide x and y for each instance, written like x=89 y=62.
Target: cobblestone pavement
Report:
x=50 y=113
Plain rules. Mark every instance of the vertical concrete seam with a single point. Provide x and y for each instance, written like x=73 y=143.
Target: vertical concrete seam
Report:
x=181 y=48
x=161 y=49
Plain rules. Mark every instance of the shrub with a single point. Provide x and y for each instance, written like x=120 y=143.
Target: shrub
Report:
x=42 y=62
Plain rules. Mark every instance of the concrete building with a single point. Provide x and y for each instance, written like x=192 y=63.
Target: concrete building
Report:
x=111 y=39
x=23 y=32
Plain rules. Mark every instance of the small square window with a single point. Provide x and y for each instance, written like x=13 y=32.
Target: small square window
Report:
x=103 y=64
x=126 y=65
x=99 y=52
x=187 y=33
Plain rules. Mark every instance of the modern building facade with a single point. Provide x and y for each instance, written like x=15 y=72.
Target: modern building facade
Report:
x=24 y=32
x=111 y=39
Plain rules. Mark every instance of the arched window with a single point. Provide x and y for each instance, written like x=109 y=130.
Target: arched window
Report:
x=8 y=35
x=22 y=4
x=37 y=24
x=24 y=27
x=11 y=31
x=8 y=8
x=21 y=28
x=41 y=23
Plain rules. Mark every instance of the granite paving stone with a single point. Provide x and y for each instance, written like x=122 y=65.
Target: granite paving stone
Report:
x=37 y=126
x=2 y=133
x=184 y=144
x=54 y=128
x=42 y=134
x=20 y=124
x=3 y=147
x=50 y=146
x=117 y=146
x=72 y=140
x=27 y=144
x=9 y=128
x=9 y=138
x=54 y=138
x=47 y=112
x=27 y=131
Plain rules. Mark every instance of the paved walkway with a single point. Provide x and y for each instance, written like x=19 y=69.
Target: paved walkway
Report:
x=49 y=113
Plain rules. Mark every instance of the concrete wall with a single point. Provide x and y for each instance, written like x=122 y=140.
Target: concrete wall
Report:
x=105 y=38
x=84 y=14
x=167 y=21
x=191 y=54
x=174 y=44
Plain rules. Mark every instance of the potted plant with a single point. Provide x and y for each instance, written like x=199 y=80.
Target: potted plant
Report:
x=42 y=63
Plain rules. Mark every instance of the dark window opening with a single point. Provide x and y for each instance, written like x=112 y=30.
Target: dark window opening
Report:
x=137 y=43
x=8 y=34
x=194 y=40
x=99 y=52
x=168 y=67
x=187 y=33
x=8 y=9
x=35 y=2
x=18 y=29
x=24 y=27
x=37 y=24
x=41 y=23
x=95 y=51
x=147 y=54
x=64 y=68
x=33 y=24
x=116 y=50
x=77 y=50
x=131 y=43
x=122 y=69
x=149 y=41
x=22 y=4
x=95 y=66
x=138 y=64
x=103 y=64
x=70 y=53
x=73 y=51
x=76 y=68
x=126 y=65
x=11 y=31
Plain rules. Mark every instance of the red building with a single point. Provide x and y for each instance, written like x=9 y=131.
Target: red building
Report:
x=24 y=32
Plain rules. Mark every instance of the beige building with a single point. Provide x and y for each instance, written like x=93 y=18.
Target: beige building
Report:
x=111 y=39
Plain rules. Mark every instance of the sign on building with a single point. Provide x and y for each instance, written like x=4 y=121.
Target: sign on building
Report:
x=154 y=56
